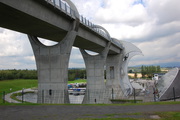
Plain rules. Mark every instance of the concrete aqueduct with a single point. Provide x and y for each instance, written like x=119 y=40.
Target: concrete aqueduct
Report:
x=60 y=21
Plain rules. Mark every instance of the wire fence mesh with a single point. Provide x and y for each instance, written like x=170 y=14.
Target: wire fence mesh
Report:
x=87 y=96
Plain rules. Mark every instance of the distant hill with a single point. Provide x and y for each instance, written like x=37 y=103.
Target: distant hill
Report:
x=171 y=65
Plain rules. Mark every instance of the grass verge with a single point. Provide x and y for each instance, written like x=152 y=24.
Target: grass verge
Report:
x=77 y=81
x=14 y=85
x=137 y=116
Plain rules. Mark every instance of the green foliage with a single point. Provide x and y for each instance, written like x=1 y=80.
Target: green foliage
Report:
x=15 y=85
x=17 y=74
x=135 y=75
x=136 y=116
x=147 y=71
x=77 y=81
x=123 y=101
x=74 y=74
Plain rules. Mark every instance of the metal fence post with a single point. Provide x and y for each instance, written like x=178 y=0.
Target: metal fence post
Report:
x=60 y=4
x=42 y=97
x=66 y=8
x=154 y=94
x=134 y=95
x=112 y=94
x=54 y=2
x=174 y=94
x=22 y=95
x=3 y=96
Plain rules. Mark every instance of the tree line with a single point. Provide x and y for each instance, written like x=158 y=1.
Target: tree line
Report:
x=32 y=74
x=148 y=71
x=73 y=74
x=17 y=74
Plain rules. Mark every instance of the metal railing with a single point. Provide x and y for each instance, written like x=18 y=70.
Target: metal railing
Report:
x=76 y=96
x=64 y=7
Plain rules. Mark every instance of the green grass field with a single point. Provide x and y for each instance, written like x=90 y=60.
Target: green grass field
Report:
x=77 y=81
x=16 y=85
x=19 y=84
x=132 y=116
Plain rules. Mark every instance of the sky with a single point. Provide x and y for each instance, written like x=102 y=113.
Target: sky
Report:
x=151 y=25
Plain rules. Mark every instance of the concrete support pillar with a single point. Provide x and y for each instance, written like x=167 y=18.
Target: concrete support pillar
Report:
x=95 y=91
x=113 y=76
x=52 y=66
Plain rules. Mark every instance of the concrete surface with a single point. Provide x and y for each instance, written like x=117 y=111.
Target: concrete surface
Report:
x=95 y=91
x=73 y=112
x=42 y=19
x=166 y=84
x=52 y=67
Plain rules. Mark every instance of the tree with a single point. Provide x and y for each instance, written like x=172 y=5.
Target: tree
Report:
x=143 y=73
x=135 y=75
x=149 y=70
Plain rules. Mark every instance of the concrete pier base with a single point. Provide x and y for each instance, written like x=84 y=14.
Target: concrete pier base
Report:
x=52 y=66
x=113 y=76
x=95 y=91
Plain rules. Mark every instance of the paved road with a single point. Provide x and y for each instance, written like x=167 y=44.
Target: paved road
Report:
x=73 y=112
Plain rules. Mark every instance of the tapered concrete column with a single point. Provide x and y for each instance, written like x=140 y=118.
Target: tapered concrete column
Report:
x=95 y=91
x=52 y=64
x=113 y=87
x=52 y=67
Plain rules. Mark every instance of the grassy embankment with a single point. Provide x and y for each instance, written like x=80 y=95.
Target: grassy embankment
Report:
x=15 y=85
x=137 y=116
x=19 y=84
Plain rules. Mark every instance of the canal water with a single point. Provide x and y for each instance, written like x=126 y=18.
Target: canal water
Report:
x=32 y=97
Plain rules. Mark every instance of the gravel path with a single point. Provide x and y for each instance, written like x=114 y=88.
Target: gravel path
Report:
x=73 y=112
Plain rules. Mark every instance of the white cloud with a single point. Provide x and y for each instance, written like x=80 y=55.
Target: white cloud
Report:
x=122 y=12
x=13 y=43
x=88 y=8
x=76 y=59
x=165 y=11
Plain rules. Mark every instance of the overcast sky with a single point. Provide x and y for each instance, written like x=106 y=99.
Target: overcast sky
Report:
x=151 y=25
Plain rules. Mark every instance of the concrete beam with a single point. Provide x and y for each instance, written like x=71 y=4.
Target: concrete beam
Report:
x=41 y=19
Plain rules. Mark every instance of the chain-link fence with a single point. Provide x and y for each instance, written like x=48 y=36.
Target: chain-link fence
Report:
x=86 y=96
x=2 y=94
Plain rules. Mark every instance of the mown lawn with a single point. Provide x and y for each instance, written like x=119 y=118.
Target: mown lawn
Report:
x=16 y=85
x=19 y=84
x=138 y=116
x=77 y=81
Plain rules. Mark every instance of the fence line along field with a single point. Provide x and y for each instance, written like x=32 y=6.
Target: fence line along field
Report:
x=9 y=86
x=14 y=85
